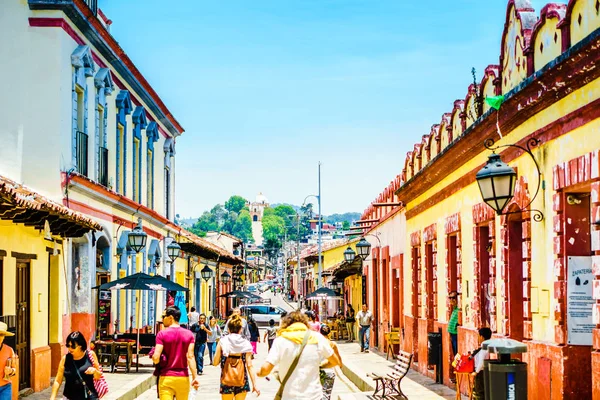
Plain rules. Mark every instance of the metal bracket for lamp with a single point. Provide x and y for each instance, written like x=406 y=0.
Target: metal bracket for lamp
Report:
x=537 y=215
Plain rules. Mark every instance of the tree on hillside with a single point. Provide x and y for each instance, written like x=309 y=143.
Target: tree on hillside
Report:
x=242 y=228
x=345 y=225
x=273 y=231
x=235 y=204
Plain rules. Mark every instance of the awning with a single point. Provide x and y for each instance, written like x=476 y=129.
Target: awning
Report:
x=348 y=269
x=22 y=205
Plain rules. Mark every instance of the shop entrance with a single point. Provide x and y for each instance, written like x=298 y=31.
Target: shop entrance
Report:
x=22 y=336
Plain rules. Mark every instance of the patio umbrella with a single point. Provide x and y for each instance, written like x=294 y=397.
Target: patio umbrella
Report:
x=141 y=281
x=323 y=293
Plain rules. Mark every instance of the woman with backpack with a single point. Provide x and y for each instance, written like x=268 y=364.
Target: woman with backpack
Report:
x=80 y=370
x=234 y=354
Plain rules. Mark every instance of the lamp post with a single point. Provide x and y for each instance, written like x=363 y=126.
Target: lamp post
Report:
x=206 y=273
x=225 y=277
x=137 y=238
x=349 y=255
x=497 y=180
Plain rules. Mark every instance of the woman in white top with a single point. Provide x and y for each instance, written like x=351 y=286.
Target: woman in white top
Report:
x=213 y=338
x=304 y=382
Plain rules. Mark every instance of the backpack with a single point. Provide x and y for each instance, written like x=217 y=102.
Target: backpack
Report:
x=234 y=371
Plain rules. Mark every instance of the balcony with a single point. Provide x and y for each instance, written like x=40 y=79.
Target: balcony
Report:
x=93 y=5
x=103 y=166
x=81 y=147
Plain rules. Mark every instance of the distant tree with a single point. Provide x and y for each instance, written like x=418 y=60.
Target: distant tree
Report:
x=206 y=222
x=235 y=204
x=242 y=228
x=345 y=225
x=273 y=231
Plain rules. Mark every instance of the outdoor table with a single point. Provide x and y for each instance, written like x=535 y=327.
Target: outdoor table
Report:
x=109 y=353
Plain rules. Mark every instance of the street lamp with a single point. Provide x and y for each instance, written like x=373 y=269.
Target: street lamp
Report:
x=496 y=182
x=349 y=255
x=173 y=251
x=225 y=277
x=136 y=239
x=363 y=247
x=206 y=273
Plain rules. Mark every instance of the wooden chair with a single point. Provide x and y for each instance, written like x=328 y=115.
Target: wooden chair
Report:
x=392 y=338
x=391 y=382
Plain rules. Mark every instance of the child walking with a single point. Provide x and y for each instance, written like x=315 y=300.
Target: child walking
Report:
x=271 y=333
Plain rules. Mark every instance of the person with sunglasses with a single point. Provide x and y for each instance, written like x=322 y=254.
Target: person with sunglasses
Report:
x=78 y=368
x=7 y=355
x=177 y=344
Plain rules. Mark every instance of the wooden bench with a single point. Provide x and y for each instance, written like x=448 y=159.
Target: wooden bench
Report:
x=391 y=382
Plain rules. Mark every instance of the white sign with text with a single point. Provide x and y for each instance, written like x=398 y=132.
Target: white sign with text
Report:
x=579 y=301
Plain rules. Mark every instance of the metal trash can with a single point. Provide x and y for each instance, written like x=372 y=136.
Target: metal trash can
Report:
x=434 y=353
x=504 y=378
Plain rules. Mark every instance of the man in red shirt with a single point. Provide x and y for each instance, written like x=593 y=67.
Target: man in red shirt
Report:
x=177 y=344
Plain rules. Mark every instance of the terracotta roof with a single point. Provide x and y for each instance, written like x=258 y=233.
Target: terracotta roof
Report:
x=23 y=205
x=204 y=248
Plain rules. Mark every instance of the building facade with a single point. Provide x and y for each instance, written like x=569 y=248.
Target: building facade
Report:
x=85 y=130
x=532 y=273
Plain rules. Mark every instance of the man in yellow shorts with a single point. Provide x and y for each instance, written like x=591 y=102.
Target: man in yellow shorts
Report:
x=177 y=344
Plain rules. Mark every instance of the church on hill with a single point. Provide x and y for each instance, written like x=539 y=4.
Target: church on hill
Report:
x=257 y=209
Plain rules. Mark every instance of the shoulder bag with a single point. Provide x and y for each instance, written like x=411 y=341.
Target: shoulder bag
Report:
x=279 y=395
x=100 y=384
x=87 y=392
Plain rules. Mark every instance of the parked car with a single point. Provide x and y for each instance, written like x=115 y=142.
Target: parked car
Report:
x=262 y=313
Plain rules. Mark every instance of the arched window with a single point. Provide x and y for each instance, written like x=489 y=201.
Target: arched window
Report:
x=152 y=135
x=169 y=149
x=140 y=122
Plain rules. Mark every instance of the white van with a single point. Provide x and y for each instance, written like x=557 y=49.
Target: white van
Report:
x=262 y=313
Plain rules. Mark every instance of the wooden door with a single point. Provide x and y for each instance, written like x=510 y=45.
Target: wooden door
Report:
x=22 y=337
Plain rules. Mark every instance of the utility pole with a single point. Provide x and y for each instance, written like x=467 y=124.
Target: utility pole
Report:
x=298 y=255
x=320 y=283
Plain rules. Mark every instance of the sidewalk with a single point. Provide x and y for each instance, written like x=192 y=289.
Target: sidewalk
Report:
x=122 y=386
x=414 y=385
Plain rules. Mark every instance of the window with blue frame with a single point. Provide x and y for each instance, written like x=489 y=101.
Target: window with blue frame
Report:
x=140 y=122
x=124 y=106
x=104 y=87
x=83 y=68
x=152 y=136
x=169 y=149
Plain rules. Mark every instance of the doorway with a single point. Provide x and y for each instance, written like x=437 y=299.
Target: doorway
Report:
x=22 y=336
x=515 y=277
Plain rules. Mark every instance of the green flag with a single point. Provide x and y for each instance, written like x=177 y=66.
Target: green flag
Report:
x=495 y=102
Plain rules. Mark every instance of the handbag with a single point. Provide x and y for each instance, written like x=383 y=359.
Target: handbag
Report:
x=100 y=384
x=463 y=363
x=234 y=371
x=279 y=395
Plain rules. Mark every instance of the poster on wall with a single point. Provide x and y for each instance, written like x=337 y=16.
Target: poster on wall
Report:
x=579 y=301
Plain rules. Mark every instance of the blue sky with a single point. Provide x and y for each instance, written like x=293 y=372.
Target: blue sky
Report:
x=268 y=88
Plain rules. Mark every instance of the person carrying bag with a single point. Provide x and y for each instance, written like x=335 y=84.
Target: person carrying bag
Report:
x=279 y=395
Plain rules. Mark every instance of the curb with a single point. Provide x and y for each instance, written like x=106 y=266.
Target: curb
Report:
x=141 y=386
x=360 y=383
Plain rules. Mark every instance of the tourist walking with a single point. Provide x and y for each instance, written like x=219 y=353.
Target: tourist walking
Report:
x=299 y=352
x=200 y=342
x=177 y=344
x=270 y=333
x=365 y=319
x=234 y=354
x=213 y=337
x=350 y=322
x=327 y=375
x=254 y=334
x=312 y=321
x=7 y=357
x=79 y=368
x=193 y=318
x=245 y=331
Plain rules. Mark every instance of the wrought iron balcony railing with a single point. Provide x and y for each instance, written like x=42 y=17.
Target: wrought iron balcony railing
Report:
x=81 y=147
x=103 y=166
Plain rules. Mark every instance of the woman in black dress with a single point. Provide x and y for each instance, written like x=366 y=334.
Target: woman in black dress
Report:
x=77 y=369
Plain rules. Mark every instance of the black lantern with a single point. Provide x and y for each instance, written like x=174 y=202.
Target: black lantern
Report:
x=225 y=277
x=349 y=255
x=136 y=239
x=173 y=251
x=363 y=247
x=496 y=183
x=206 y=273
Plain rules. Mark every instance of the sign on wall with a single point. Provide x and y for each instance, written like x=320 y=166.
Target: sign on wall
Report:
x=579 y=301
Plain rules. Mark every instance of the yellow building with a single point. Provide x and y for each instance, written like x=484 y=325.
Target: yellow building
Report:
x=531 y=273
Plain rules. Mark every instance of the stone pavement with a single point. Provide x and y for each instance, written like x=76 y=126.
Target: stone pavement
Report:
x=209 y=382
x=122 y=386
x=414 y=385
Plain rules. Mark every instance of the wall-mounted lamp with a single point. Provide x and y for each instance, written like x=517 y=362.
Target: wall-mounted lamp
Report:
x=497 y=180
